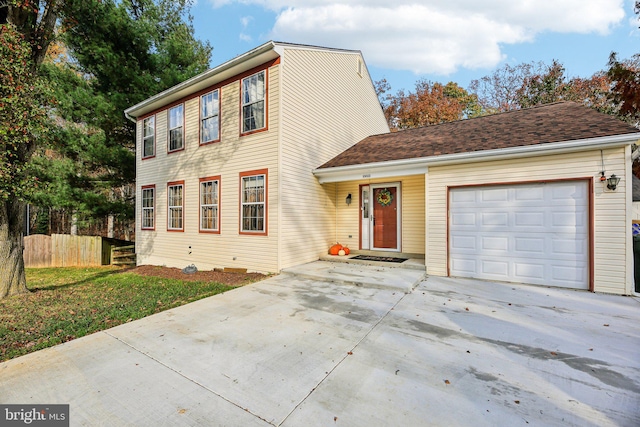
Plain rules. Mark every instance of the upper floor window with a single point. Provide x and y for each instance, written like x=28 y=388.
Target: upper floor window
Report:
x=175 y=206
x=176 y=128
x=149 y=137
x=253 y=202
x=148 y=207
x=253 y=102
x=209 y=117
x=209 y=204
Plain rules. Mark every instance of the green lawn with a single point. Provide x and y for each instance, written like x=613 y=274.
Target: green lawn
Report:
x=68 y=303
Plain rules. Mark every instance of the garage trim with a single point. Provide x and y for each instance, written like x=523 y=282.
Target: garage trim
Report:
x=591 y=221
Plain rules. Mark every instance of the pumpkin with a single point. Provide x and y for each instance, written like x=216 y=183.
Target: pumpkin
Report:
x=341 y=252
x=346 y=250
x=335 y=249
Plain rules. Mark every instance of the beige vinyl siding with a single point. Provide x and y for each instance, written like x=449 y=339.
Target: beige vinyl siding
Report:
x=611 y=222
x=228 y=158
x=412 y=196
x=326 y=108
x=636 y=211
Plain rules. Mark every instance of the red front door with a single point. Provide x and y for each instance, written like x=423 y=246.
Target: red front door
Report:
x=385 y=218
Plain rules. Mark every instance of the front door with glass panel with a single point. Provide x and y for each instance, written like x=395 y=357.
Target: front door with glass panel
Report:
x=380 y=217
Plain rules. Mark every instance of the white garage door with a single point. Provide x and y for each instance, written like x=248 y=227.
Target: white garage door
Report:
x=533 y=233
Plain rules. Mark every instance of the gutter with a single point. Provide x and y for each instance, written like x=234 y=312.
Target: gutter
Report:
x=131 y=118
x=420 y=165
x=200 y=77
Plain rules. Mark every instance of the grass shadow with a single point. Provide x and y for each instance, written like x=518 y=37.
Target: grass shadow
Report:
x=98 y=275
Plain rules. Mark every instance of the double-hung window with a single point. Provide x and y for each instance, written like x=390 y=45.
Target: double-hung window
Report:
x=210 y=204
x=148 y=207
x=253 y=102
x=253 y=202
x=176 y=128
x=209 y=117
x=175 y=206
x=149 y=137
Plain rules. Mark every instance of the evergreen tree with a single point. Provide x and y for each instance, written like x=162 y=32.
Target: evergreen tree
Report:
x=122 y=53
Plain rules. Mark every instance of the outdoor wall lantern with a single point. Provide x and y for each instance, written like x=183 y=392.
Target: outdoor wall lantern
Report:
x=612 y=182
x=348 y=199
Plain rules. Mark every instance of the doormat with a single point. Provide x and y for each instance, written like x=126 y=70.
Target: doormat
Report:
x=379 y=258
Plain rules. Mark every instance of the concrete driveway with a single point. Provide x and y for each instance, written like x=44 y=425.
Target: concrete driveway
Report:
x=301 y=350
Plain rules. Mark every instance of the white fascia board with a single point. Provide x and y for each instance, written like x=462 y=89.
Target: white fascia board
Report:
x=411 y=166
x=370 y=171
x=237 y=65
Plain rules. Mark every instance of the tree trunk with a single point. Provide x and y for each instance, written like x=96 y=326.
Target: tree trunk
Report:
x=12 y=277
x=74 y=224
x=110 y=226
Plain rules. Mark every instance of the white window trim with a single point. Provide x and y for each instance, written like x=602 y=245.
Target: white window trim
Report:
x=145 y=136
x=216 y=93
x=208 y=205
x=250 y=175
x=171 y=207
x=244 y=104
x=151 y=208
x=179 y=126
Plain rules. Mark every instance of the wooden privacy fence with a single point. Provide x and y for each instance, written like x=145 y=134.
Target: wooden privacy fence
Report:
x=37 y=251
x=64 y=250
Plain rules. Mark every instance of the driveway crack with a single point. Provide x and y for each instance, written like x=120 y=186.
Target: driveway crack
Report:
x=349 y=353
x=188 y=378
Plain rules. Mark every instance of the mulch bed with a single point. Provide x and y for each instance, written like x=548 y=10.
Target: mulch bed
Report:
x=231 y=279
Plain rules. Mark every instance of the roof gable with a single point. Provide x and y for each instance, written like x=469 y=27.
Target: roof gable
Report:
x=262 y=54
x=557 y=122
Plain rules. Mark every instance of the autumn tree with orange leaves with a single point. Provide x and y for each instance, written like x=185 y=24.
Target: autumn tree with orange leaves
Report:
x=430 y=104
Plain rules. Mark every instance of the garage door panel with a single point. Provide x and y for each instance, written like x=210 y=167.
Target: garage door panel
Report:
x=574 y=247
x=462 y=243
x=528 y=194
x=495 y=268
x=529 y=272
x=494 y=195
x=521 y=233
x=569 y=274
x=529 y=219
x=490 y=243
x=467 y=266
x=500 y=219
x=529 y=245
x=463 y=218
x=463 y=196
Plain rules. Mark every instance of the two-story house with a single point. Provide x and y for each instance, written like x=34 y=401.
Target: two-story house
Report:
x=224 y=160
x=266 y=160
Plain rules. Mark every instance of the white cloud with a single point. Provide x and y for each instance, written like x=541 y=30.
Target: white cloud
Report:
x=433 y=36
x=245 y=21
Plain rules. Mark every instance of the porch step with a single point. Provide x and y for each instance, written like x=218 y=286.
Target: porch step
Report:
x=366 y=276
x=412 y=261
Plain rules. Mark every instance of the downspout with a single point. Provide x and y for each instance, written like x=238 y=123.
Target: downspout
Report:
x=628 y=188
x=281 y=86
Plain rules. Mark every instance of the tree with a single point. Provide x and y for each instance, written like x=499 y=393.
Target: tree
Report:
x=498 y=91
x=544 y=87
x=431 y=103
x=122 y=52
x=625 y=80
x=23 y=125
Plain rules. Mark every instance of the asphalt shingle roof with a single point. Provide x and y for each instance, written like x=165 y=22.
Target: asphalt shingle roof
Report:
x=557 y=122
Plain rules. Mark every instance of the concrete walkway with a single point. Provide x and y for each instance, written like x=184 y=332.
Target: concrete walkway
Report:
x=296 y=351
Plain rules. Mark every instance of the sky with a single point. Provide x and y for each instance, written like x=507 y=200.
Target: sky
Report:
x=437 y=40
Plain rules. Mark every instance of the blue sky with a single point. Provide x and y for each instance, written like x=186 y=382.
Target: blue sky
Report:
x=439 y=40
